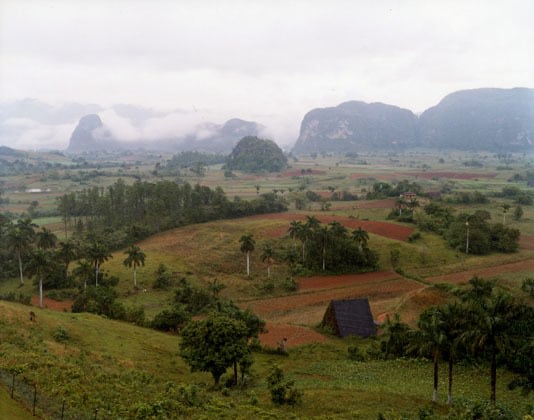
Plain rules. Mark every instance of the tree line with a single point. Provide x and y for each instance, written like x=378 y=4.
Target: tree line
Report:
x=128 y=213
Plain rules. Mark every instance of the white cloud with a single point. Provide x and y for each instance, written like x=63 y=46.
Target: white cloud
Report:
x=258 y=58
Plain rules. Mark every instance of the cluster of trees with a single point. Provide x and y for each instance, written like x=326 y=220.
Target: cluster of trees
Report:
x=332 y=247
x=126 y=213
x=384 y=190
x=26 y=250
x=194 y=161
x=470 y=233
x=483 y=325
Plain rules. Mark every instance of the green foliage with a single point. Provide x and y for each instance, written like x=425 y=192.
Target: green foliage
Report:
x=252 y=154
x=99 y=300
x=331 y=248
x=395 y=339
x=483 y=237
x=213 y=344
x=480 y=410
x=163 y=278
x=194 y=299
x=61 y=334
x=171 y=319
x=282 y=391
x=357 y=354
x=126 y=213
x=528 y=286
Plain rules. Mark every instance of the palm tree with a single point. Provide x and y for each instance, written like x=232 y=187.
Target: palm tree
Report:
x=135 y=258
x=45 y=239
x=67 y=252
x=361 y=237
x=84 y=271
x=489 y=329
x=325 y=233
x=247 y=246
x=505 y=208
x=268 y=257
x=39 y=264
x=432 y=339
x=300 y=231
x=98 y=253
x=453 y=317
x=19 y=238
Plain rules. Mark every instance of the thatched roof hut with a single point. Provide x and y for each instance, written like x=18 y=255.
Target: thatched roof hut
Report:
x=350 y=317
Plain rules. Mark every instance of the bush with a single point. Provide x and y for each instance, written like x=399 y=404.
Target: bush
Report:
x=414 y=236
x=171 y=320
x=290 y=285
x=135 y=315
x=356 y=354
x=163 y=278
x=282 y=392
x=60 y=334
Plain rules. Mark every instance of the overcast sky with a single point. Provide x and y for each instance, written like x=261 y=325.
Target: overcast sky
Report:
x=264 y=60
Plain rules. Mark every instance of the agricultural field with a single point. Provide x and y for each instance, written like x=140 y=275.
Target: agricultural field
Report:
x=416 y=269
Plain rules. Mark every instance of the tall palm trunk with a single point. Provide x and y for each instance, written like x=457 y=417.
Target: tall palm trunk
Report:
x=248 y=264
x=235 y=372
x=20 y=268
x=40 y=292
x=436 y=373
x=493 y=372
x=135 y=276
x=449 y=392
x=97 y=271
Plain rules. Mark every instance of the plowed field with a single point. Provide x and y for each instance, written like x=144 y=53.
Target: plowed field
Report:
x=305 y=309
x=386 y=229
x=465 y=276
x=52 y=304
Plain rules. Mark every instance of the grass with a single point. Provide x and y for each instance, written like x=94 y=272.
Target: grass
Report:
x=112 y=364
x=10 y=409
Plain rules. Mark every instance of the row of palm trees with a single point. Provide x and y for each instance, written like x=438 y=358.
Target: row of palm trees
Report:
x=330 y=243
x=39 y=253
x=482 y=324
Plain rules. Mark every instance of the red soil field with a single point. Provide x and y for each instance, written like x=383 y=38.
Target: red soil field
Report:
x=388 y=230
x=332 y=282
x=270 y=308
x=300 y=173
x=54 y=305
x=526 y=241
x=295 y=335
x=389 y=176
x=465 y=276
x=451 y=175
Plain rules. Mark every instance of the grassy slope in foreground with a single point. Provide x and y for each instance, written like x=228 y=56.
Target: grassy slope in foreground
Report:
x=10 y=409
x=112 y=364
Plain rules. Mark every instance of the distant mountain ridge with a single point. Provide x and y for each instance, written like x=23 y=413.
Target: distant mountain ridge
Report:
x=354 y=125
x=477 y=119
x=91 y=135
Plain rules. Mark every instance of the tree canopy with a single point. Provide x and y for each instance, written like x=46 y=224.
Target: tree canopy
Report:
x=253 y=154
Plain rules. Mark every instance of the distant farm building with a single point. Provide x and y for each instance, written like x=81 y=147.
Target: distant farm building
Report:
x=408 y=196
x=350 y=317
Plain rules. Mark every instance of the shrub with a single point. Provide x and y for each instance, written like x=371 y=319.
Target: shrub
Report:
x=414 y=236
x=171 y=319
x=282 y=392
x=60 y=334
x=356 y=354
x=290 y=285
